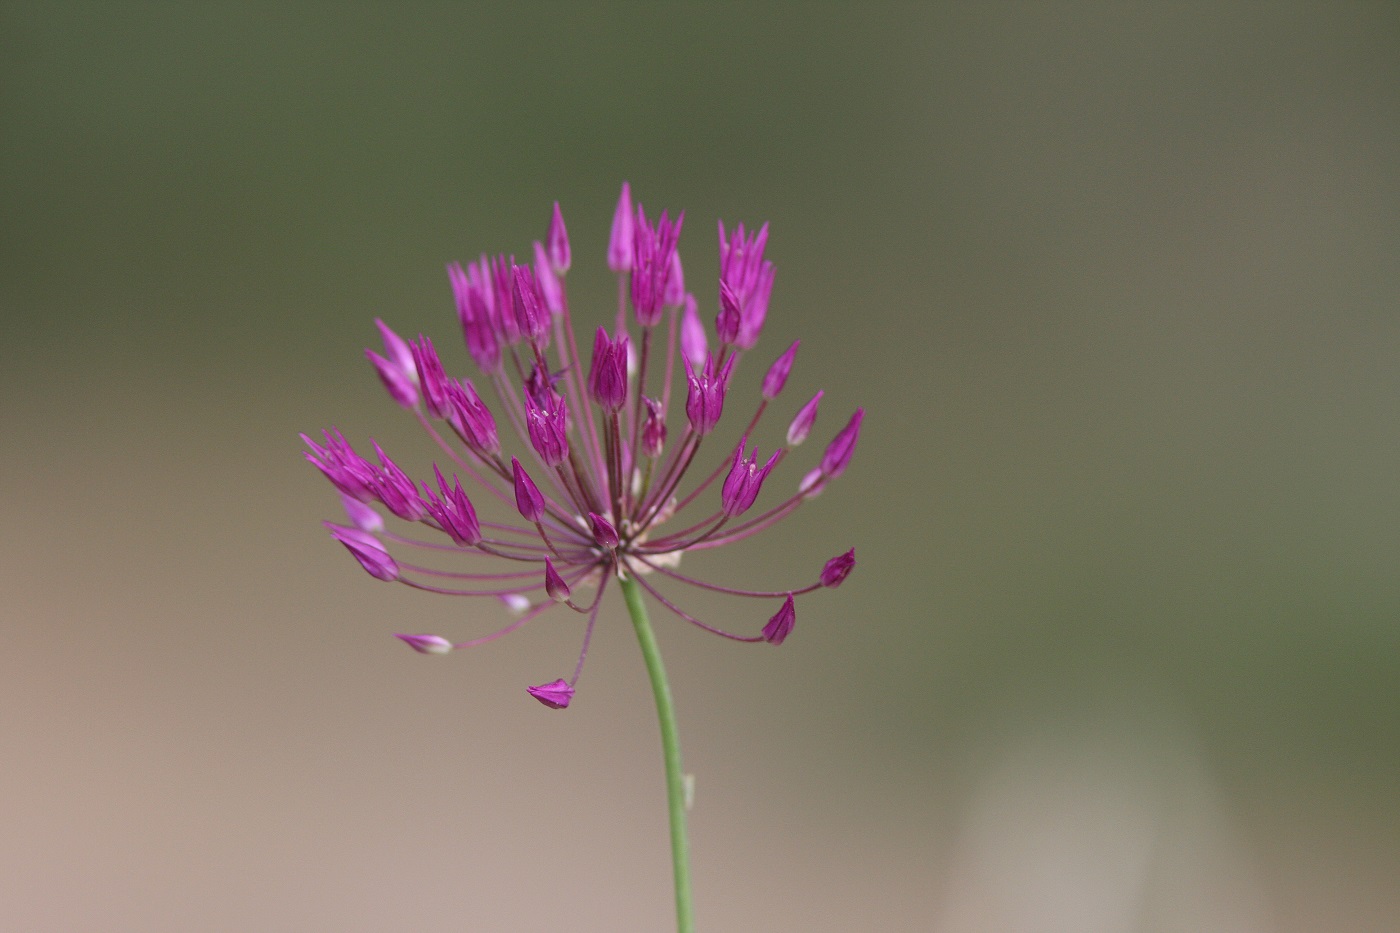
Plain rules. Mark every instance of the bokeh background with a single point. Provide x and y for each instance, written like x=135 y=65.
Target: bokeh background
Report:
x=1118 y=287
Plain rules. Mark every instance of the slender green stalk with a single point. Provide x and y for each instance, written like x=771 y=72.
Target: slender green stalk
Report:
x=671 y=747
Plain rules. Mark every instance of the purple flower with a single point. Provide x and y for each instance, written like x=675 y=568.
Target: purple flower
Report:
x=530 y=507
x=607 y=379
x=744 y=481
x=704 y=402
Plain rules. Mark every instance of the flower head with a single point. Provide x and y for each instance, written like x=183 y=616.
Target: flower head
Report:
x=586 y=470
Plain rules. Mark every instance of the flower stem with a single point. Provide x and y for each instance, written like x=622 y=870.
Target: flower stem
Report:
x=671 y=748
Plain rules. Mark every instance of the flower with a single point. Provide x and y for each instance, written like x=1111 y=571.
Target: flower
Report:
x=588 y=483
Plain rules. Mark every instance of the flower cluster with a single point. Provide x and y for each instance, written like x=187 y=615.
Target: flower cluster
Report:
x=604 y=481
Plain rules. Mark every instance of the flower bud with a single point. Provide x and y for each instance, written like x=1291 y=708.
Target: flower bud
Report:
x=780 y=626
x=838 y=568
x=554 y=584
x=527 y=495
x=777 y=375
x=603 y=531
x=426 y=644
x=620 y=240
x=366 y=549
x=555 y=695
x=802 y=424
x=557 y=243
x=838 y=453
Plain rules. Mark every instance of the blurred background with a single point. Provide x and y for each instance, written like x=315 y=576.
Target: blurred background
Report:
x=1117 y=286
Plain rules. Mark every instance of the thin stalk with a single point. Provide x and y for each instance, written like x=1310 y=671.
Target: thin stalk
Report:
x=671 y=749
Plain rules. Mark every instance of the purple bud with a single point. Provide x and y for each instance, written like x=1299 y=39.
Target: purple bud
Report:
x=397 y=371
x=431 y=377
x=555 y=695
x=749 y=278
x=426 y=644
x=558 y=243
x=547 y=424
x=361 y=516
x=730 y=318
x=653 y=429
x=838 y=569
x=452 y=510
x=476 y=311
x=527 y=495
x=843 y=445
x=780 y=626
x=603 y=531
x=745 y=479
x=502 y=279
x=777 y=375
x=620 y=240
x=531 y=315
x=367 y=550
x=472 y=420
x=550 y=291
x=554 y=584
x=694 y=344
x=802 y=424
x=607 y=378
x=675 y=283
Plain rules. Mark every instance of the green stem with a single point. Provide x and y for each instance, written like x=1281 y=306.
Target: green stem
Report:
x=671 y=748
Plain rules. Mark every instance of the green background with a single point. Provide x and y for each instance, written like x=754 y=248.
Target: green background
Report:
x=1117 y=286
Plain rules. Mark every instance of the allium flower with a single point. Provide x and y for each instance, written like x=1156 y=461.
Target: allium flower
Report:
x=595 y=466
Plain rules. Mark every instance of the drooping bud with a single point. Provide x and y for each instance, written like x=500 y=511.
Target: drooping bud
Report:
x=558 y=243
x=780 y=626
x=777 y=375
x=620 y=240
x=426 y=644
x=452 y=510
x=675 y=283
x=653 y=429
x=547 y=424
x=361 y=516
x=802 y=424
x=730 y=318
x=472 y=420
x=555 y=695
x=550 y=290
x=396 y=370
x=531 y=315
x=554 y=584
x=607 y=378
x=704 y=403
x=838 y=453
x=603 y=531
x=694 y=344
x=838 y=569
x=527 y=495
x=745 y=479
x=366 y=549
